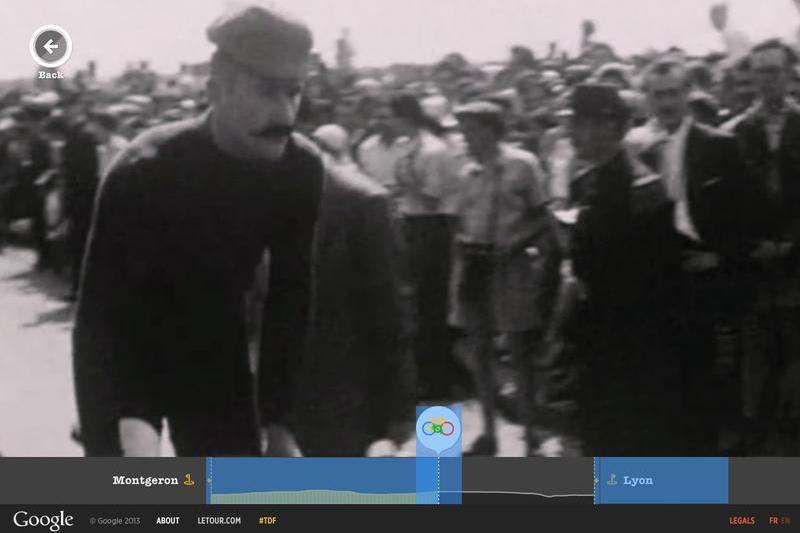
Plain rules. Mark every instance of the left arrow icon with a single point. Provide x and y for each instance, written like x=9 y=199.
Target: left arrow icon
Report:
x=50 y=46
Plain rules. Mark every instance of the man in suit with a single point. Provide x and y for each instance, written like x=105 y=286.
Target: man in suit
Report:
x=181 y=222
x=707 y=182
x=623 y=251
x=769 y=134
x=356 y=385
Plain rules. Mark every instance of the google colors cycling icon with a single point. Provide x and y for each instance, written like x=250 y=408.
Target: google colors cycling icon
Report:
x=438 y=429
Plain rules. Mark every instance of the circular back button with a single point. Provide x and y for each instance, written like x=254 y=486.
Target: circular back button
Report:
x=50 y=46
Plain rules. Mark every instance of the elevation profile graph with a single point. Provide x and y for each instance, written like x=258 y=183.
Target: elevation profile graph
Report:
x=311 y=481
x=528 y=480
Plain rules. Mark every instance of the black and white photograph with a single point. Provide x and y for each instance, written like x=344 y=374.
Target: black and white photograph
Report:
x=276 y=228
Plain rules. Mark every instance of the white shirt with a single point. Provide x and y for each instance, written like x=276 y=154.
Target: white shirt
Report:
x=427 y=176
x=562 y=163
x=378 y=160
x=674 y=172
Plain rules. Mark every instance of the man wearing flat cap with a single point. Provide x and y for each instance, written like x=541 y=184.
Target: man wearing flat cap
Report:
x=181 y=223
x=505 y=259
x=622 y=251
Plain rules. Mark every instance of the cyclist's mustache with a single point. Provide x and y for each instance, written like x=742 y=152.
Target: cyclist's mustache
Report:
x=274 y=132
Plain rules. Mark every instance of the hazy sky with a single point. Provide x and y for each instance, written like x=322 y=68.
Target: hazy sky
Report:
x=166 y=32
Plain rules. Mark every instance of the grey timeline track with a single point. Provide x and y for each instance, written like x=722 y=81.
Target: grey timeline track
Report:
x=527 y=480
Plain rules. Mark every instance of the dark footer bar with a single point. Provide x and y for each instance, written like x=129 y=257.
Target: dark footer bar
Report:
x=492 y=518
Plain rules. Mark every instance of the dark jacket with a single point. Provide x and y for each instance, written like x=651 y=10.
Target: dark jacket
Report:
x=720 y=192
x=780 y=219
x=623 y=246
x=355 y=380
x=723 y=202
x=178 y=230
x=722 y=195
x=625 y=252
x=19 y=197
x=80 y=167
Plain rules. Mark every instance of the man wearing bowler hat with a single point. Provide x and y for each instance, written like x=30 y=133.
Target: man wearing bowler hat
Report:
x=623 y=252
x=181 y=222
